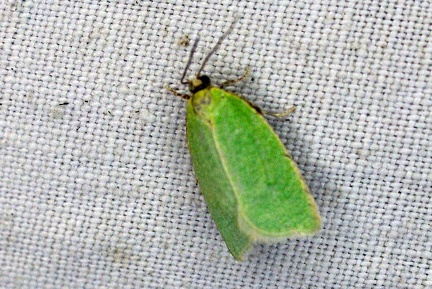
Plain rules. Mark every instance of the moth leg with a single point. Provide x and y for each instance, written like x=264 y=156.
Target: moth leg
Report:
x=281 y=114
x=176 y=93
x=234 y=81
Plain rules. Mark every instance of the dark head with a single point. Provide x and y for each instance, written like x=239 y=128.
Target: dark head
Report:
x=199 y=83
x=202 y=81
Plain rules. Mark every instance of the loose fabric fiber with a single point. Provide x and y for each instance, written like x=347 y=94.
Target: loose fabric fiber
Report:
x=97 y=189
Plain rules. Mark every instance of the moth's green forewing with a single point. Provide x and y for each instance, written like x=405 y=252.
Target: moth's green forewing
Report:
x=253 y=188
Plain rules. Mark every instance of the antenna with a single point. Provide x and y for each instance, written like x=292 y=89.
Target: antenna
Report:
x=189 y=61
x=217 y=45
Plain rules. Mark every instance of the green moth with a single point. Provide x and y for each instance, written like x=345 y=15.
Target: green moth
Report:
x=253 y=189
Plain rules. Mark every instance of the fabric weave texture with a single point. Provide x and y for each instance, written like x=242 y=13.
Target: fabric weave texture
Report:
x=97 y=189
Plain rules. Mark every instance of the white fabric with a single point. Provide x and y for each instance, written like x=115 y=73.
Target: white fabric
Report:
x=96 y=185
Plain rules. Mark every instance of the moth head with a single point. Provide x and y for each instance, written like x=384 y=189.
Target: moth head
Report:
x=199 y=83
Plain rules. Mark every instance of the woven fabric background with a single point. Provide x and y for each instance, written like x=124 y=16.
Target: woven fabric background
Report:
x=97 y=189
